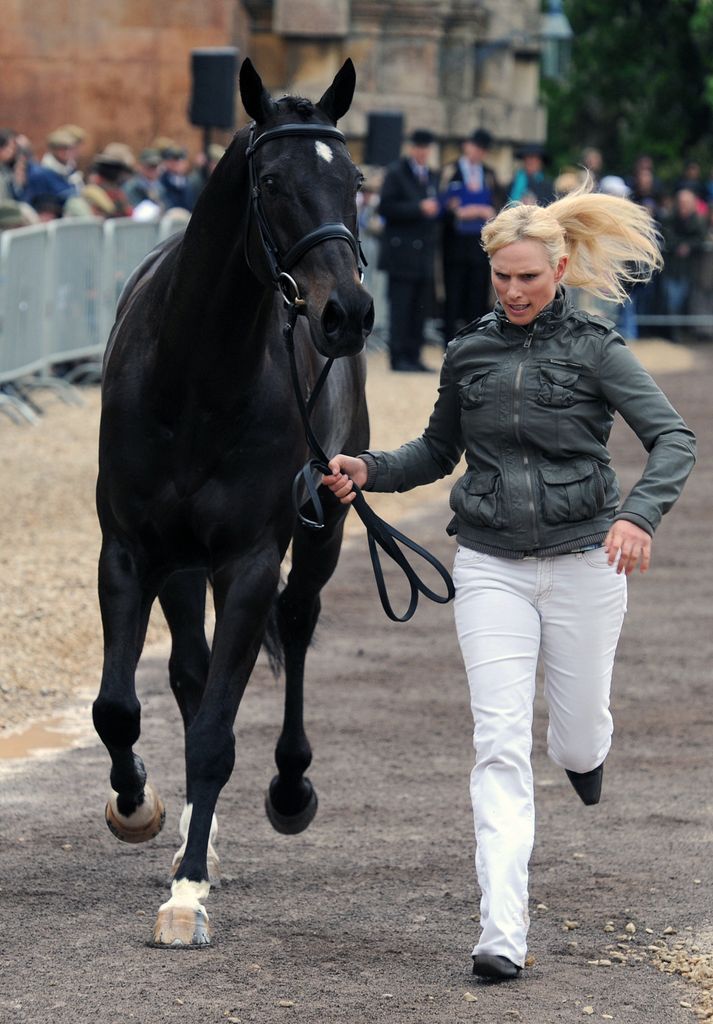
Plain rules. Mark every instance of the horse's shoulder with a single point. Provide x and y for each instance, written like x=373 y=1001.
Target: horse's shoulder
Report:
x=146 y=269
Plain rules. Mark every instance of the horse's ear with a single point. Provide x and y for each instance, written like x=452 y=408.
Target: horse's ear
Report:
x=256 y=99
x=338 y=97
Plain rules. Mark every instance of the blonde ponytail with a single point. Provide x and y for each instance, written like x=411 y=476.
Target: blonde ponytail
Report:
x=610 y=242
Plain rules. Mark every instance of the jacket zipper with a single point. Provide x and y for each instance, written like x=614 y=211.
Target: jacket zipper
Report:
x=517 y=396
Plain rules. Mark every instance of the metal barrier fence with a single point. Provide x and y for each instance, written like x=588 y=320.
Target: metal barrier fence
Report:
x=60 y=282
x=59 y=286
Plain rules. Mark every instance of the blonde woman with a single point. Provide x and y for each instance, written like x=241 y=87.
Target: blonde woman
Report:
x=545 y=541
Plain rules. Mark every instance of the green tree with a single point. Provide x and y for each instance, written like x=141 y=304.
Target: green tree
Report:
x=641 y=81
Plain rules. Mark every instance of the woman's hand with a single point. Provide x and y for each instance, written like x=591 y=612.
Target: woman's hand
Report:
x=345 y=469
x=631 y=545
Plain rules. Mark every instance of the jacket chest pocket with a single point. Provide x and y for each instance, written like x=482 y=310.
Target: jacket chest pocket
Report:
x=571 y=491
x=471 y=390
x=557 y=386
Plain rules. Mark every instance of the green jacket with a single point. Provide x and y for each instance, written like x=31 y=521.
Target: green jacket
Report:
x=532 y=408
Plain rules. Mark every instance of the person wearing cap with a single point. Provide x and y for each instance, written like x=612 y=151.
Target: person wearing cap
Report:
x=176 y=189
x=470 y=196
x=61 y=155
x=56 y=174
x=80 y=138
x=410 y=208
x=93 y=201
x=74 y=129
x=531 y=184
x=143 y=186
x=110 y=170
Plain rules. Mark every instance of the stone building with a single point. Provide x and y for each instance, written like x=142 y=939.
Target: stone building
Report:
x=122 y=70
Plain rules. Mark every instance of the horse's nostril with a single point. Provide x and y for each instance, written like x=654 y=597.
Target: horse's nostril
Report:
x=368 y=322
x=333 y=318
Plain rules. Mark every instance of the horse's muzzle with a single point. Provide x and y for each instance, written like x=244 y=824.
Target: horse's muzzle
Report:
x=347 y=324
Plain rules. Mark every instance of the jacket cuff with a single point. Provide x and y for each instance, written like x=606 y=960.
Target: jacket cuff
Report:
x=370 y=463
x=637 y=520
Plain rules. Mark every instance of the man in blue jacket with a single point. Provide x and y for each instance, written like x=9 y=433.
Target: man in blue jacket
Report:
x=470 y=196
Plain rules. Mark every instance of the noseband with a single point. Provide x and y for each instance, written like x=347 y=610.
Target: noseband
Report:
x=279 y=264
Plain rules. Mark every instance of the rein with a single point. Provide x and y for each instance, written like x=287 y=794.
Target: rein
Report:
x=379 y=533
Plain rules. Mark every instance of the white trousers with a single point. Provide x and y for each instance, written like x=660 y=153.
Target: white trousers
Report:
x=570 y=609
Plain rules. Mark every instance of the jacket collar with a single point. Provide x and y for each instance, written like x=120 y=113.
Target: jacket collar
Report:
x=547 y=320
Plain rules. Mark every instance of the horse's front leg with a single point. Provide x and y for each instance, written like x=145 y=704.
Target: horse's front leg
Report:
x=291 y=801
x=243 y=594
x=134 y=812
x=182 y=598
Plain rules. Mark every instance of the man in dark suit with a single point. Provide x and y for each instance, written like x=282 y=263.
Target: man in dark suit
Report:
x=470 y=196
x=410 y=208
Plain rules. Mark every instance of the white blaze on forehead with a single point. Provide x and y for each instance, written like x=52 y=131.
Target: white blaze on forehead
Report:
x=324 y=151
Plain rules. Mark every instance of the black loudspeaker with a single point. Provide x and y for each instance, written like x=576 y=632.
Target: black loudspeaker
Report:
x=213 y=76
x=384 y=136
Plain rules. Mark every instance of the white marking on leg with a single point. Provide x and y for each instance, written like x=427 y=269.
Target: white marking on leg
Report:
x=183 y=826
x=187 y=895
x=324 y=151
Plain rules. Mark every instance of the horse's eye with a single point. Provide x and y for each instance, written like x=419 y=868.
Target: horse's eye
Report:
x=269 y=183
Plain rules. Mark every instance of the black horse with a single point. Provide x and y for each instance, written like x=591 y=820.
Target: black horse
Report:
x=200 y=440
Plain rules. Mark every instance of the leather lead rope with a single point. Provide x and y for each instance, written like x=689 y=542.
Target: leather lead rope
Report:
x=379 y=533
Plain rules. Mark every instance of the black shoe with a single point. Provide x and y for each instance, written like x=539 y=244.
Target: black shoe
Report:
x=587 y=784
x=495 y=968
x=410 y=366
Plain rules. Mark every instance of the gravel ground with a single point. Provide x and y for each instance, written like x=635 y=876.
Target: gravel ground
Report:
x=371 y=913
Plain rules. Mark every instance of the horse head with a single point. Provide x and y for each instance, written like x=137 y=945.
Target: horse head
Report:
x=303 y=236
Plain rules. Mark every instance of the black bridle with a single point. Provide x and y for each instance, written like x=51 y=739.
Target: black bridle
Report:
x=279 y=264
x=378 y=532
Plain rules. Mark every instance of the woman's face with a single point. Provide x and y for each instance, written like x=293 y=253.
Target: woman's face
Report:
x=524 y=280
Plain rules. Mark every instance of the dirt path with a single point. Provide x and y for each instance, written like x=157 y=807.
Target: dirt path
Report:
x=371 y=914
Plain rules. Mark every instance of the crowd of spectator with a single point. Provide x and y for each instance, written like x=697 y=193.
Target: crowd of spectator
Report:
x=433 y=222
x=63 y=182
x=683 y=211
x=428 y=218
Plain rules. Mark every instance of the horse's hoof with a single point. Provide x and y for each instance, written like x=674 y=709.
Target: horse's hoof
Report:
x=145 y=823
x=181 y=927
x=291 y=824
